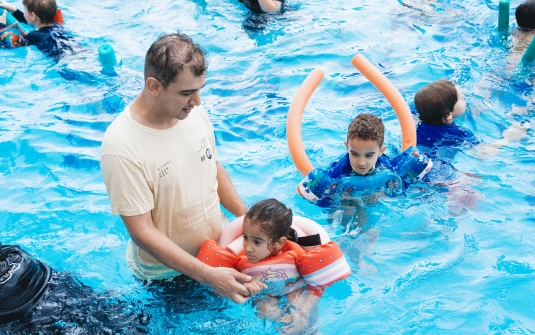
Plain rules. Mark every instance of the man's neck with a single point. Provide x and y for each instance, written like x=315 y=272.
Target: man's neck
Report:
x=146 y=113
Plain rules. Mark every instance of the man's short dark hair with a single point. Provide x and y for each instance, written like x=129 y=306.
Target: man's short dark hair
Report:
x=525 y=15
x=170 y=54
x=44 y=9
x=273 y=217
x=435 y=101
x=366 y=127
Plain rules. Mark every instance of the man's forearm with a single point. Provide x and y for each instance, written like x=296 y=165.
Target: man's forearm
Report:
x=229 y=197
x=163 y=249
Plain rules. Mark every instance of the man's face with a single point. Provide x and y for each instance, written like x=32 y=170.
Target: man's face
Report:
x=181 y=96
x=363 y=154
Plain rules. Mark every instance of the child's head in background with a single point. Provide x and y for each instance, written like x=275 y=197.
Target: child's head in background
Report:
x=439 y=103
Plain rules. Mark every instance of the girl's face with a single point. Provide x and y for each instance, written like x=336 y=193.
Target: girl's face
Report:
x=255 y=242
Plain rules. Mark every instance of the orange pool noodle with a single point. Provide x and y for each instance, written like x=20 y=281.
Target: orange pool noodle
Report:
x=293 y=123
x=392 y=95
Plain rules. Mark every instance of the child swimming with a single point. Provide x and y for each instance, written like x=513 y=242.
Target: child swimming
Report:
x=438 y=105
x=363 y=168
x=279 y=267
x=50 y=36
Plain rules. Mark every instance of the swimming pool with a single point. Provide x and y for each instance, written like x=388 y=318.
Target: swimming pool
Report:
x=422 y=263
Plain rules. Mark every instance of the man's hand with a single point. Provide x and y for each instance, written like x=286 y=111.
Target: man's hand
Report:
x=255 y=286
x=224 y=281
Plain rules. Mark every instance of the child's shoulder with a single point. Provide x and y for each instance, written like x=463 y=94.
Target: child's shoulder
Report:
x=340 y=167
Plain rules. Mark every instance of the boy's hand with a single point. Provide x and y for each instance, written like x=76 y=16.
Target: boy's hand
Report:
x=255 y=286
x=7 y=6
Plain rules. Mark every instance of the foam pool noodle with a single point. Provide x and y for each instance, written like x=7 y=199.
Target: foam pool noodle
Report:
x=503 y=16
x=529 y=54
x=106 y=55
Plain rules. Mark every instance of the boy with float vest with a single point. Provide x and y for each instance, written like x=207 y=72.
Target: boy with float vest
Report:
x=363 y=168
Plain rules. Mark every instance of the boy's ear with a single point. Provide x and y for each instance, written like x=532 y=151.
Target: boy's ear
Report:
x=382 y=150
x=34 y=17
x=345 y=143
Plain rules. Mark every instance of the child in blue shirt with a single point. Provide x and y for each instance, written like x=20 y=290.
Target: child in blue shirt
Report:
x=363 y=168
x=438 y=105
x=49 y=37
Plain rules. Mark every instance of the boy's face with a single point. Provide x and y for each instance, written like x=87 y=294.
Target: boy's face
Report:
x=458 y=108
x=363 y=154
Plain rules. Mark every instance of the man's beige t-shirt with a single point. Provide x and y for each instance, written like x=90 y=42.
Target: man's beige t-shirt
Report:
x=170 y=172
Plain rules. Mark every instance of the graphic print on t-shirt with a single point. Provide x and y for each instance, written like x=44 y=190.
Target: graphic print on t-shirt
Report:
x=205 y=150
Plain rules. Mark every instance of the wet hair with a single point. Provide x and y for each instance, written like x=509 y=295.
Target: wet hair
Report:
x=273 y=217
x=435 y=101
x=170 y=54
x=44 y=9
x=366 y=127
x=525 y=15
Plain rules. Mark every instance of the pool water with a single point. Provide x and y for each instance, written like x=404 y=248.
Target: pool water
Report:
x=439 y=259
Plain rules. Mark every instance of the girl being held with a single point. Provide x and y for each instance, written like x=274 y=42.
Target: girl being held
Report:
x=281 y=269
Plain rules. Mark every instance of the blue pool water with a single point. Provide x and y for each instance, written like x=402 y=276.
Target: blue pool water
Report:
x=432 y=261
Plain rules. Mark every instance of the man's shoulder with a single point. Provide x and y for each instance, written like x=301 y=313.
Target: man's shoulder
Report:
x=116 y=133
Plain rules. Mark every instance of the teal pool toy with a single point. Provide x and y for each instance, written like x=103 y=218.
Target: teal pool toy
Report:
x=529 y=54
x=503 y=16
x=106 y=55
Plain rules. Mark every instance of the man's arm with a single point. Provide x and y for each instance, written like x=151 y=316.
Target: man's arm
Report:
x=229 y=197
x=223 y=280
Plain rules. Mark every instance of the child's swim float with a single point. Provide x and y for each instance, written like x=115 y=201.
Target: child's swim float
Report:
x=409 y=166
x=309 y=233
x=13 y=35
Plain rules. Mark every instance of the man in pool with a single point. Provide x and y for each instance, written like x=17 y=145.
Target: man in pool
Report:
x=162 y=174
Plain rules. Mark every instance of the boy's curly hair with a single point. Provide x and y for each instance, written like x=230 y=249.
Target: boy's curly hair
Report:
x=44 y=9
x=366 y=127
x=435 y=101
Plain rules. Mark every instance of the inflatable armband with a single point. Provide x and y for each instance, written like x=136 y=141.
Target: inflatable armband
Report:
x=322 y=266
x=12 y=36
x=411 y=166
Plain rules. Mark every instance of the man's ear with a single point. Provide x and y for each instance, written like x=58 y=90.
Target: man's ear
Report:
x=154 y=86
x=382 y=150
